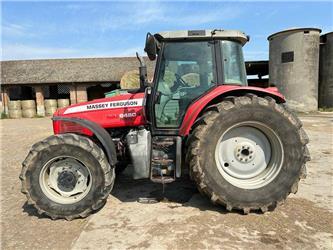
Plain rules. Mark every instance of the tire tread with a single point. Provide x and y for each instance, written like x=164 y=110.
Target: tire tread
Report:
x=72 y=139
x=200 y=128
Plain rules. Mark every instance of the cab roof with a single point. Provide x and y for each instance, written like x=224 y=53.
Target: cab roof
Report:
x=202 y=34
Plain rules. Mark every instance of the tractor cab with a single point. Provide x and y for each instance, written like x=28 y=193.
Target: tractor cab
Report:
x=189 y=64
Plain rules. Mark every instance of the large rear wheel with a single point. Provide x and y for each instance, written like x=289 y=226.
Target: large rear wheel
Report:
x=66 y=176
x=248 y=153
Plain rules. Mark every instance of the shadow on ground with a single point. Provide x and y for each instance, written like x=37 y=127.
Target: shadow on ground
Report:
x=178 y=193
x=181 y=192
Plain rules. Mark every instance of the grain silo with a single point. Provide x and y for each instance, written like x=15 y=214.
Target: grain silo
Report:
x=326 y=71
x=294 y=66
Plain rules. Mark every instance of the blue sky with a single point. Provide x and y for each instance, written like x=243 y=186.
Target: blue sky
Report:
x=31 y=30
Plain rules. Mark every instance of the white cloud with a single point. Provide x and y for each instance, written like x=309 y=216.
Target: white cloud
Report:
x=325 y=29
x=129 y=52
x=12 y=29
x=148 y=13
x=20 y=51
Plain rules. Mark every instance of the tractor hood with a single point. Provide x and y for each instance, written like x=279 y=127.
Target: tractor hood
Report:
x=124 y=110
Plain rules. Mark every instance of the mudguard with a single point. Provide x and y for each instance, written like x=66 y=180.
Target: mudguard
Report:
x=199 y=105
x=89 y=128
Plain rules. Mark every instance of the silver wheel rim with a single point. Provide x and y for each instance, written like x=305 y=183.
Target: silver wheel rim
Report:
x=249 y=155
x=65 y=180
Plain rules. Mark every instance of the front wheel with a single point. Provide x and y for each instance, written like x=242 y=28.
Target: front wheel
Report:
x=248 y=153
x=66 y=176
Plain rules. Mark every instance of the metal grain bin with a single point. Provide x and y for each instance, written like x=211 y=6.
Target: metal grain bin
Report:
x=326 y=71
x=294 y=66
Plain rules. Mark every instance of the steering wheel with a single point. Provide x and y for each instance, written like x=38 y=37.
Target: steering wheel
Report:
x=180 y=81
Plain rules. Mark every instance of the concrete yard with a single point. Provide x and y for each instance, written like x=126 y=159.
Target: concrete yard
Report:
x=186 y=220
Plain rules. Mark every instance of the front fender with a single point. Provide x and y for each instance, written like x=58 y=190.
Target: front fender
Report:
x=219 y=92
x=88 y=128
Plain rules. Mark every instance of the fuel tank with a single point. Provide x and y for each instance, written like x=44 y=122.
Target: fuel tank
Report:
x=124 y=110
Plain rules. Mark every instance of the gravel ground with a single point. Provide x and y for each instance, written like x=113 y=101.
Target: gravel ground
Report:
x=184 y=220
x=21 y=226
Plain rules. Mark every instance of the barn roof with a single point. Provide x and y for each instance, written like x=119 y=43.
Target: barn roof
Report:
x=69 y=70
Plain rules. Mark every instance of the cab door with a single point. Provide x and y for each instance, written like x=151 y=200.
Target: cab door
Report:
x=185 y=71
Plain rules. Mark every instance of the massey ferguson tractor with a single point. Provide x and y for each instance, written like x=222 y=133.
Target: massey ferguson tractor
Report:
x=241 y=145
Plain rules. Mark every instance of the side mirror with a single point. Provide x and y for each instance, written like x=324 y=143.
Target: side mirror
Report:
x=151 y=46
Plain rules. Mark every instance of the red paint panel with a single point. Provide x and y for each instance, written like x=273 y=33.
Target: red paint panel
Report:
x=113 y=112
x=196 y=107
x=61 y=127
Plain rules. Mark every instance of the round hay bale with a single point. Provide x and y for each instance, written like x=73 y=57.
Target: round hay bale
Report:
x=63 y=103
x=130 y=80
x=28 y=104
x=192 y=79
x=14 y=105
x=50 y=103
x=15 y=113
x=29 y=113
x=50 y=111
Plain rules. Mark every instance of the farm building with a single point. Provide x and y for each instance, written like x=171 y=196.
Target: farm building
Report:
x=78 y=80
x=300 y=65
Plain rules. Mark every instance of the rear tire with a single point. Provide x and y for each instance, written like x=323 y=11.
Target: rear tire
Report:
x=66 y=176
x=280 y=143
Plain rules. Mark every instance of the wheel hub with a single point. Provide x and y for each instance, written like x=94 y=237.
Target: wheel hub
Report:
x=67 y=180
x=244 y=152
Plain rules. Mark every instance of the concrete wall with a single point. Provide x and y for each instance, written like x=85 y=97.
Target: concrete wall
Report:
x=297 y=79
x=326 y=71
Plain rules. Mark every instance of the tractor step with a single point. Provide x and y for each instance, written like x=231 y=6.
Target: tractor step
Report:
x=165 y=159
x=163 y=179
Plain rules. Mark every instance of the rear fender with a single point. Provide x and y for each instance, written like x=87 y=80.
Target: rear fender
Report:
x=87 y=128
x=216 y=95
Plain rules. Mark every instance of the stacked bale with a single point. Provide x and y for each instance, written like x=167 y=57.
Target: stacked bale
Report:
x=62 y=103
x=50 y=106
x=1 y=107
x=130 y=80
x=14 y=109
x=28 y=108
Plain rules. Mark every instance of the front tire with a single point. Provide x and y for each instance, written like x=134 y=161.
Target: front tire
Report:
x=248 y=153
x=66 y=176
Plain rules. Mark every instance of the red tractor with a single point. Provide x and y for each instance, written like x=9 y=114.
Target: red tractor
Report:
x=241 y=145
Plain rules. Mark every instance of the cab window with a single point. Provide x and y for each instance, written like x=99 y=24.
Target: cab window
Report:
x=233 y=63
x=187 y=70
